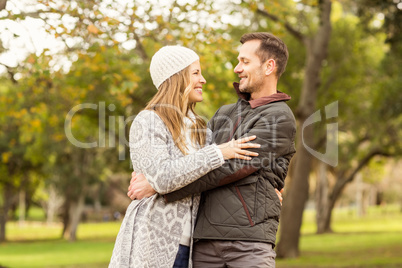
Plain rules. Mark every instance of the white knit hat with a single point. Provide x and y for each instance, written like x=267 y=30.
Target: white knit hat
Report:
x=170 y=60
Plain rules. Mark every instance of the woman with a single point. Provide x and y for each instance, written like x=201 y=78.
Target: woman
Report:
x=170 y=145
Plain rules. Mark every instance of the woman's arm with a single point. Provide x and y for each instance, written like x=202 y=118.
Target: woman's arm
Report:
x=150 y=151
x=150 y=142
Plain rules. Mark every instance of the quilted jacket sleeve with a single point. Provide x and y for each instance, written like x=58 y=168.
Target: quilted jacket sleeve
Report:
x=276 y=135
x=150 y=151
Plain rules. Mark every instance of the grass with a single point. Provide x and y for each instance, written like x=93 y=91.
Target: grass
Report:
x=56 y=253
x=348 y=250
x=374 y=241
x=33 y=231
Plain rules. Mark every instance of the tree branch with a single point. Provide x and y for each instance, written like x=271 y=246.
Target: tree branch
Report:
x=10 y=72
x=364 y=162
x=3 y=4
x=34 y=14
x=324 y=31
x=340 y=184
x=139 y=47
x=299 y=36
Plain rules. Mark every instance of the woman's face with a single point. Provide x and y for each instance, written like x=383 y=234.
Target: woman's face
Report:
x=197 y=80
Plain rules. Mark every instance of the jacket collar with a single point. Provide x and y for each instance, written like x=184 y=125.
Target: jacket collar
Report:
x=279 y=96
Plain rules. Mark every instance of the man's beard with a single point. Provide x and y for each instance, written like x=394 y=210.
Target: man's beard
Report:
x=256 y=84
x=246 y=90
x=250 y=89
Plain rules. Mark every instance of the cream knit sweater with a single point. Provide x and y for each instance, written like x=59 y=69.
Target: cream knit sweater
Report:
x=151 y=230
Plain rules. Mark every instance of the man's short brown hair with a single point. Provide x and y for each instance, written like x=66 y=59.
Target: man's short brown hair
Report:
x=271 y=48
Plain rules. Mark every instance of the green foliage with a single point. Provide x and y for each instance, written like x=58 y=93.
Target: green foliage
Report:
x=374 y=171
x=391 y=16
x=106 y=73
x=108 y=46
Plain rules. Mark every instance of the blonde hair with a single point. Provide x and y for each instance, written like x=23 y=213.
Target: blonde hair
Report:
x=171 y=105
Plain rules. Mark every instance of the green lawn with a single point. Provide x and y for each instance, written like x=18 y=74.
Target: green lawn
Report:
x=56 y=253
x=372 y=241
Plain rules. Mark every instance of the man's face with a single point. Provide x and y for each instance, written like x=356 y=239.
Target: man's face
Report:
x=249 y=68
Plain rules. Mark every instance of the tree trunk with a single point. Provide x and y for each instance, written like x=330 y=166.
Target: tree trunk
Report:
x=22 y=207
x=7 y=201
x=297 y=191
x=359 y=195
x=53 y=205
x=293 y=205
x=76 y=199
x=75 y=212
x=341 y=183
x=97 y=198
x=332 y=198
x=321 y=198
x=326 y=221
x=66 y=215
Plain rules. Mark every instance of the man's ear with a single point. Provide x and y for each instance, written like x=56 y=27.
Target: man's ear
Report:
x=270 y=65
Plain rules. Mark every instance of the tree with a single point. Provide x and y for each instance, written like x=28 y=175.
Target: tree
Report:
x=107 y=46
x=14 y=167
x=325 y=62
x=315 y=41
x=373 y=129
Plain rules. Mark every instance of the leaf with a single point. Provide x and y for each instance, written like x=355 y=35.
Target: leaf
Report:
x=92 y=29
x=5 y=157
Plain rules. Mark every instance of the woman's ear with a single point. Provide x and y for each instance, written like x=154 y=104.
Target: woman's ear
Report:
x=270 y=66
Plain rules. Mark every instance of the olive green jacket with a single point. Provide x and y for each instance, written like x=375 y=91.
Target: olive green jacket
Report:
x=238 y=199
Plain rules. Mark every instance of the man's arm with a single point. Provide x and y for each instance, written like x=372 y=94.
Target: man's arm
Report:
x=140 y=188
x=276 y=136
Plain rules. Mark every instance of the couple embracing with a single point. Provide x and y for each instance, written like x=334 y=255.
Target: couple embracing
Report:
x=208 y=196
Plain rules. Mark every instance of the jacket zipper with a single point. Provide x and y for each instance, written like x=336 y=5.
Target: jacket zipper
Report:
x=234 y=128
x=244 y=206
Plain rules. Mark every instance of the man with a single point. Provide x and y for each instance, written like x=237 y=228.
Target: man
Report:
x=239 y=211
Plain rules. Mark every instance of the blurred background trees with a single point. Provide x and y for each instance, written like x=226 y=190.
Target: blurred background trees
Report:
x=93 y=77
